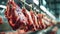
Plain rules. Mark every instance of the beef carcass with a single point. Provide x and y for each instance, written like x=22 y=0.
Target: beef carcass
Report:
x=34 y=18
x=22 y=19
x=39 y=17
x=14 y=15
x=30 y=23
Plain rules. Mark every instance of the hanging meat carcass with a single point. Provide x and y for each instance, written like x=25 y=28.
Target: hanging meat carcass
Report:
x=14 y=15
x=30 y=23
x=34 y=17
x=39 y=17
x=22 y=19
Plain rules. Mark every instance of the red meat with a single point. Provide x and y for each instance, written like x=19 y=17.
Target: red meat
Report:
x=15 y=16
x=39 y=17
x=1 y=21
x=34 y=18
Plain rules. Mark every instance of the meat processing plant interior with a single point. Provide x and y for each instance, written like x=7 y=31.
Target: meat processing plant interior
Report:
x=29 y=16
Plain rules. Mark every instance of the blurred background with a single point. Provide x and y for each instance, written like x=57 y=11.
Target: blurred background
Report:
x=49 y=7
